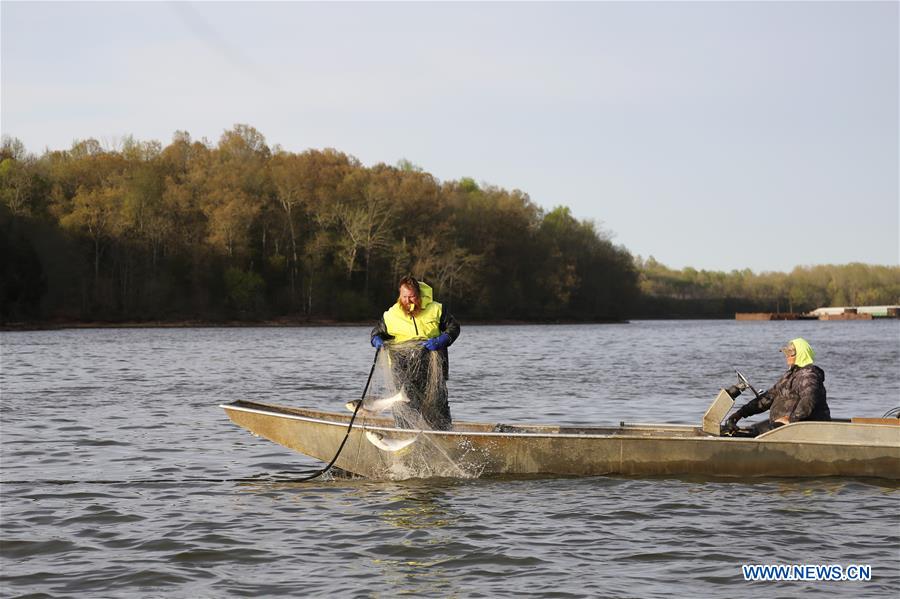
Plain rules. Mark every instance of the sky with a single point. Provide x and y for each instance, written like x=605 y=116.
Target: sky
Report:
x=716 y=135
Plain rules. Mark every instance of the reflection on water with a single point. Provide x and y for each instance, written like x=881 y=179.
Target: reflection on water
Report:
x=121 y=477
x=420 y=506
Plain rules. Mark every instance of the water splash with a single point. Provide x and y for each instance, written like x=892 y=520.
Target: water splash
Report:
x=417 y=374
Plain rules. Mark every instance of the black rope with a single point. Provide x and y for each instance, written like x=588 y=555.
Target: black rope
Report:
x=158 y=481
x=349 y=426
x=310 y=477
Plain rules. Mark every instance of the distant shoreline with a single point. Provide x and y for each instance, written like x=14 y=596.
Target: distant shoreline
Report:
x=212 y=324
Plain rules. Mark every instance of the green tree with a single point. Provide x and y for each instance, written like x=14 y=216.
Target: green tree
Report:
x=98 y=213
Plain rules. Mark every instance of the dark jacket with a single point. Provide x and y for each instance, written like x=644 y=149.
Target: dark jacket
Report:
x=799 y=394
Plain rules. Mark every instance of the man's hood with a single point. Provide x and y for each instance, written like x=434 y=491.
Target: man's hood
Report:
x=805 y=354
x=425 y=294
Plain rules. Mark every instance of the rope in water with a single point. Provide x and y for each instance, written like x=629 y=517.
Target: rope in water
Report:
x=310 y=477
x=157 y=481
x=349 y=426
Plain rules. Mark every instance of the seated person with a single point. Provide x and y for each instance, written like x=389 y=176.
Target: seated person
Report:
x=798 y=395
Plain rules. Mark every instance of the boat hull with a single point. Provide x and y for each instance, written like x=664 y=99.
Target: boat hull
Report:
x=806 y=449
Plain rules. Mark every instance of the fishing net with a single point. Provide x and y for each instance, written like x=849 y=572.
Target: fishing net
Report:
x=413 y=377
x=410 y=383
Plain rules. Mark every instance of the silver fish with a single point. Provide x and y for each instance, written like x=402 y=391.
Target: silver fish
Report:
x=392 y=445
x=376 y=406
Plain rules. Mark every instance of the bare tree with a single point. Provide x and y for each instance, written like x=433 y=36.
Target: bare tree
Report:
x=365 y=227
x=289 y=192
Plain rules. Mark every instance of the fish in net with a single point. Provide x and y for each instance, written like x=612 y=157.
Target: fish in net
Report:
x=409 y=380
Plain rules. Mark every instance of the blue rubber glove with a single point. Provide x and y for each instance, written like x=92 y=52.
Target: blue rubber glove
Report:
x=377 y=342
x=439 y=342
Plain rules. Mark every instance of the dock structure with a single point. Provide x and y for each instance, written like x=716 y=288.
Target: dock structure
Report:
x=846 y=316
x=864 y=312
x=830 y=313
x=773 y=316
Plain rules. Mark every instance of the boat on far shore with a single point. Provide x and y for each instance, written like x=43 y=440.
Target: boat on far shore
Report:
x=376 y=448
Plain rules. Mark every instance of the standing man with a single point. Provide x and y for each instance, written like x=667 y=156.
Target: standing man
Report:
x=798 y=395
x=417 y=331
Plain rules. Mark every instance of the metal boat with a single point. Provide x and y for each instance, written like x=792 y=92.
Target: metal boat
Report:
x=376 y=448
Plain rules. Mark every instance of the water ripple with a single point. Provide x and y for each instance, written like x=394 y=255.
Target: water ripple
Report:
x=120 y=477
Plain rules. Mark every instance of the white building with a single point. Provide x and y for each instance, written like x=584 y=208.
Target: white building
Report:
x=875 y=311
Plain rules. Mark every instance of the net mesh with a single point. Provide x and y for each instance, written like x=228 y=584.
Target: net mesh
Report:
x=418 y=377
x=419 y=374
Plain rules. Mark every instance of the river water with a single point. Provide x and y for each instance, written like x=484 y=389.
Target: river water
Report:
x=120 y=476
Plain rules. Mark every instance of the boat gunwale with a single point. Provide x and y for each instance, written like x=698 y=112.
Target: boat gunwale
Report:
x=701 y=436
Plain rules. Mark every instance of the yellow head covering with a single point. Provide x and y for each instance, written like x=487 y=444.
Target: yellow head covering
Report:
x=803 y=353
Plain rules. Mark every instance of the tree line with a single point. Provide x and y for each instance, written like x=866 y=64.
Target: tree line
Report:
x=239 y=230
x=689 y=292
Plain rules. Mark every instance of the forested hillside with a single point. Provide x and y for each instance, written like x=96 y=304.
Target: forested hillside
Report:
x=238 y=230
